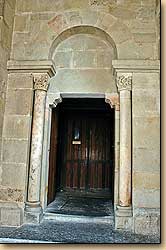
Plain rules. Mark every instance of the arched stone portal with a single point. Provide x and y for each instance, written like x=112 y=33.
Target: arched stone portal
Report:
x=43 y=104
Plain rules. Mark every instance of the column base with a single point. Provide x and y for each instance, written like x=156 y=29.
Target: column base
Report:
x=33 y=213
x=124 y=218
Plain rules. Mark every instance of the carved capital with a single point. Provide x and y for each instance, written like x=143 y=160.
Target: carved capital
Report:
x=40 y=81
x=124 y=82
x=113 y=100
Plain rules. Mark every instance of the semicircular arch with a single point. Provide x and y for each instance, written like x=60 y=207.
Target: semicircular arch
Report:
x=83 y=29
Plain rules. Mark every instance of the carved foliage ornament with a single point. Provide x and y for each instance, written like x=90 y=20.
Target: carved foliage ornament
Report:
x=41 y=82
x=124 y=82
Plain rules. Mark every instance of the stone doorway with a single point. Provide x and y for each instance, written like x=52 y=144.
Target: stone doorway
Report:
x=81 y=160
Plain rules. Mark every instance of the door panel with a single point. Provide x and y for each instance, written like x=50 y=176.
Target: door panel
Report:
x=86 y=150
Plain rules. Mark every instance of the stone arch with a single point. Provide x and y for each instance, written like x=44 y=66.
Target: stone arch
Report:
x=82 y=29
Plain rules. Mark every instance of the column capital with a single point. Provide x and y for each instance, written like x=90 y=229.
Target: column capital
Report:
x=113 y=100
x=124 y=81
x=41 y=81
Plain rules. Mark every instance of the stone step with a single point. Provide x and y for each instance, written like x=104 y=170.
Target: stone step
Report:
x=78 y=218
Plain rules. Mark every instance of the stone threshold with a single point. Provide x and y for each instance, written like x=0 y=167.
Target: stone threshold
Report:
x=78 y=218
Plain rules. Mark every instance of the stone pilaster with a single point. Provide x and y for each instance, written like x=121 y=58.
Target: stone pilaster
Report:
x=33 y=208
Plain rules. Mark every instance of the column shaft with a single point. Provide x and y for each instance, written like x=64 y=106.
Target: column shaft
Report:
x=40 y=87
x=36 y=147
x=125 y=149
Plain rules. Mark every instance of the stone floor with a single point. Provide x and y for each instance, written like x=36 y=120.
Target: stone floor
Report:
x=89 y=206
x=74 y=220
x=67 y=232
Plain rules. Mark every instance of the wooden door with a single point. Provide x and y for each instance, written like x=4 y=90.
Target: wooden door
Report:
x=87 y=157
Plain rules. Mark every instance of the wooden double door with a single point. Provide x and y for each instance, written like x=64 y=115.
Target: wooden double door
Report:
x=86 y=154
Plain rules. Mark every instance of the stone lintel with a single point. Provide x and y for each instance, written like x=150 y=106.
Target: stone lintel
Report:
x=129 y=66
x=45 y=66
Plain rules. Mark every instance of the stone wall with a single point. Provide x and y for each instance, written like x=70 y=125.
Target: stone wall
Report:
x=130 y=23
x=146 y=151
x=7 y=9
x=15 y=147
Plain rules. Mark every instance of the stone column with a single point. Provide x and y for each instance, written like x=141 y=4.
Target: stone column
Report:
x=124 y=84
x=33 y=207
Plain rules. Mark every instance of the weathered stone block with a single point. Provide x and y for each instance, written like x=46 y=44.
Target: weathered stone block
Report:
x=8 y=14
x=89 y=17
x=119 y=32
x=15 y=151
x=146 y=180
x=131 y=50
x=144 y=38
x=94 y=43
x=83 y=59
x=137 y=26
x=146 y=132
x=146 y=103
x=145 y=159
x=146 y=81
x=10 y=216
x=107 y=21
x=124 y=223
x=1 y=7
x=41 y=16
x=63 y=59
x=75 y=42
x=74 y=18
x=104 y=59
x=20 y=23
x=17 y=127
x=12 y=3
x=146 y=198
x=3 y=56
x=6 y=36
x=123 y=13
x=19 y=46
x=50 y=5
x=147 y=224
x=10 y=173
x=19 y=101
x=9 y=194
x=20 y=80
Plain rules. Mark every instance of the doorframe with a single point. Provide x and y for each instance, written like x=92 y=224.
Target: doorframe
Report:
x=52 y=100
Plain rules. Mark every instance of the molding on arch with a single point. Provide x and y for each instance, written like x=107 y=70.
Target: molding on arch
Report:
x=82 y=29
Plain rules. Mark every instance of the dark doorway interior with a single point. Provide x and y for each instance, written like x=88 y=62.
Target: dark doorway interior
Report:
x=82 y=150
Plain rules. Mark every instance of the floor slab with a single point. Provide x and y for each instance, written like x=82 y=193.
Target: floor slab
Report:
x=86 y=206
